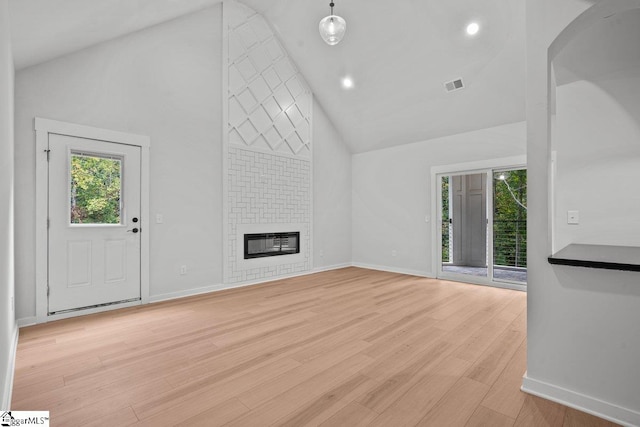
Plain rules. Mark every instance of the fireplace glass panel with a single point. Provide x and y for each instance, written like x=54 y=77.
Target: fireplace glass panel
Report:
x=271 y=244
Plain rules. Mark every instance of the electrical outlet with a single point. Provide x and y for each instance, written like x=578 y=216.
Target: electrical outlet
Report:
x=183 y=270
x=573 y=217
x=159 y=219
x=394 y=252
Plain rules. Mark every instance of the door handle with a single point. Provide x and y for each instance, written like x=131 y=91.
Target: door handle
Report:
x=133 y=230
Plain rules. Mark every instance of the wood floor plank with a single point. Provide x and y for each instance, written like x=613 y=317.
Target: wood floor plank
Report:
x=472 y=347
x=326 y=345
x=408 y=359
x=456 y=407
x=24 y=390
x=490 y=364
x=484 y=307
x=575 y=418
x=302 y=394
x=413 y=336
x=396 y=385
x=502 y=396
x=538 y=412
x=329 y=403
x=484 y=417
x=195 y=398
x=72 y=398
x=218 y=415
x=412 y=405
x=95 y=415
x=353 y=415
x=345 y=347
x=262 y=393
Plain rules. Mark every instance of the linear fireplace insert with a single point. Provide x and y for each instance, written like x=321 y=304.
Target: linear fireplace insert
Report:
x=271 y=244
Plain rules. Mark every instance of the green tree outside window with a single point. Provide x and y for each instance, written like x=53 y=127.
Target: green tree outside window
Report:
x=95 y=190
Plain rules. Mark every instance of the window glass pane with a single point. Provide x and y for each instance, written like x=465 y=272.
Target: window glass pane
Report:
x=447 y=230
x=510 y=225
x=96 y=189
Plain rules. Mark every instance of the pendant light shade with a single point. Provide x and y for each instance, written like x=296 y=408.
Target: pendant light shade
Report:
x=332 y=28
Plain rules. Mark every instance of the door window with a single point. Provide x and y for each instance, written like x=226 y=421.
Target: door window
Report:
x=95 y=189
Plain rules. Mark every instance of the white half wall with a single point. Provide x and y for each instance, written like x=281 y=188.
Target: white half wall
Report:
x=583 y=324
x=164 y=82
x=392 y=194
x=8 y=328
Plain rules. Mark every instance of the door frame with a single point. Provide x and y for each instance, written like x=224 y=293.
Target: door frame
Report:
x=43 y=128
x=482 y=166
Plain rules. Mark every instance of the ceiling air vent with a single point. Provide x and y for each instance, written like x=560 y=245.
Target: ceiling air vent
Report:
x=454 y=85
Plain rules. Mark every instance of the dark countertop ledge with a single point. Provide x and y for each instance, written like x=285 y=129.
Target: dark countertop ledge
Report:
x=625 y=258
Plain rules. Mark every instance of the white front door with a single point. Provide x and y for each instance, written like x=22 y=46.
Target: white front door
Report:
x=94 y=223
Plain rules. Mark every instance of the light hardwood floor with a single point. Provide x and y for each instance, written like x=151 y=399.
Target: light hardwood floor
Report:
x=349 y=347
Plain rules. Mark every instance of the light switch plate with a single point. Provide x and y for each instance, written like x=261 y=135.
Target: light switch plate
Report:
x=573 y=217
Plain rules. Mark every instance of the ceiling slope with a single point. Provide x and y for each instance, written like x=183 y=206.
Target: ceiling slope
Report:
x=399 y=55
x=46 y=29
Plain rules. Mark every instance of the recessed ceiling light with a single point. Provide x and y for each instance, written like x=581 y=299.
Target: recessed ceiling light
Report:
x=347 y=82
x=473 y=28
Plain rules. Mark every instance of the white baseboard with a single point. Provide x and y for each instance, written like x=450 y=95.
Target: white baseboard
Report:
x=581 y=402
x=331 y=267
x=222 y=287
x=186 y=293
x=5 y=398
x=27 y=321
x=395 y=270
x=32 y=320
x=287 y=276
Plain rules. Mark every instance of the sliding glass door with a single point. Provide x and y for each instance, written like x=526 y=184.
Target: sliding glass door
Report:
x=510 y=225
x=482 y=227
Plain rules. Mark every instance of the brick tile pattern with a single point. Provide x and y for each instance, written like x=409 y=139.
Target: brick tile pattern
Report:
x=267 y=189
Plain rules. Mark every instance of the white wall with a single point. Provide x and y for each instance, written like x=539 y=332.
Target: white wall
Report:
x=331 y=194
x=164 y=82
x=392 y=194
x=597 y=140
x=8 y=329
x=583 y=324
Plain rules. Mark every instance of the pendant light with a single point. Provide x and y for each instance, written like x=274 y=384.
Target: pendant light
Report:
x=332 y=28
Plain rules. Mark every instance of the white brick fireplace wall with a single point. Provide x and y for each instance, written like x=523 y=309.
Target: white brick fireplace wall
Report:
x=267 y=147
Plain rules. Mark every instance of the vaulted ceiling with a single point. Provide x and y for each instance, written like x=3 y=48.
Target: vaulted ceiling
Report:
x=608 y=47
x=398 y=53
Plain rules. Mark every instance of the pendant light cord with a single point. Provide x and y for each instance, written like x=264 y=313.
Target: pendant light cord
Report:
x=331 y=6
